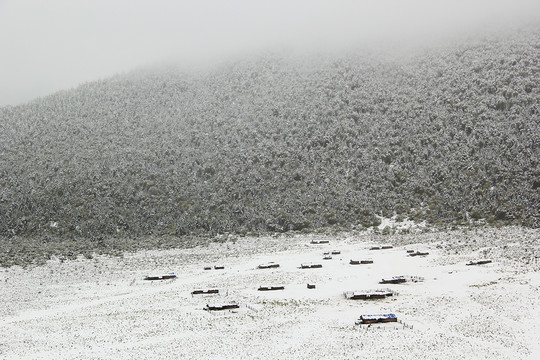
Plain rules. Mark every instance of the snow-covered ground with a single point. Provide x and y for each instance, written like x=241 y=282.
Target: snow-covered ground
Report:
x=102 y=308
x=396 y=226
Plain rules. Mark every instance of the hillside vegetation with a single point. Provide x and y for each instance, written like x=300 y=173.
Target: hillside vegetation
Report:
x=278 y=143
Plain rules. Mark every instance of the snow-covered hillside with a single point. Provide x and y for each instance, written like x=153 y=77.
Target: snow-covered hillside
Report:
x=277 y=143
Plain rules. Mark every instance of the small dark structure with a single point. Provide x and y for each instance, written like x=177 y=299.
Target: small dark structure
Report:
x=410 y=251
x=394 y=280
x=361 y=262
x=215 y=267
x=269 y=265
x=320 y=241
x=479 y=262
x=327 y=257
x=205 y=292
x=218 y=307
x=310 y=266
x=336 y=252
x=311 y=286
x=271 y=288
x=381 y=247
x=368 y=294
x=160 y=277
x=380 y=318
x=419 y=253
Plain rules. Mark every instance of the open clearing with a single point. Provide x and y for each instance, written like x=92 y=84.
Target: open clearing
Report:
x=101 y=308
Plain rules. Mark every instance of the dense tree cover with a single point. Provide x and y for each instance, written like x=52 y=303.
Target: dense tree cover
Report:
x=281 y=143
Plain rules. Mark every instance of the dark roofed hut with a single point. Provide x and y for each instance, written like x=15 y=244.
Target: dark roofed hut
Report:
x=380 y=318
x=271 y=288
x=419 y=253
x=393 y=280
x=205 y=292
x=361 y=262
x=478 y=262
x=215 y=267
x=218 y=307
x=320 y=241
x=270 y=265
x=310 y=266
x=368 y=295
x=160 y=277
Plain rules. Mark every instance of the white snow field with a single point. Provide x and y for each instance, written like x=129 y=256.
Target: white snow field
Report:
x=101 y=308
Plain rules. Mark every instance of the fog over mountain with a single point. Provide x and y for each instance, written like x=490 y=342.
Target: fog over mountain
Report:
x=58 y=44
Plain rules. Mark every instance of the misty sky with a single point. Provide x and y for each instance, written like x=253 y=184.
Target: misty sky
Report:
x=46 y=46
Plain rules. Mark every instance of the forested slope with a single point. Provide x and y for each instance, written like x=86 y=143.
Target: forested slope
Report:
x=281 y=143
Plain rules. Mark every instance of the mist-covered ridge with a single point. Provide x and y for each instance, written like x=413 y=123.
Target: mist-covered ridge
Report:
x=276 y=143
